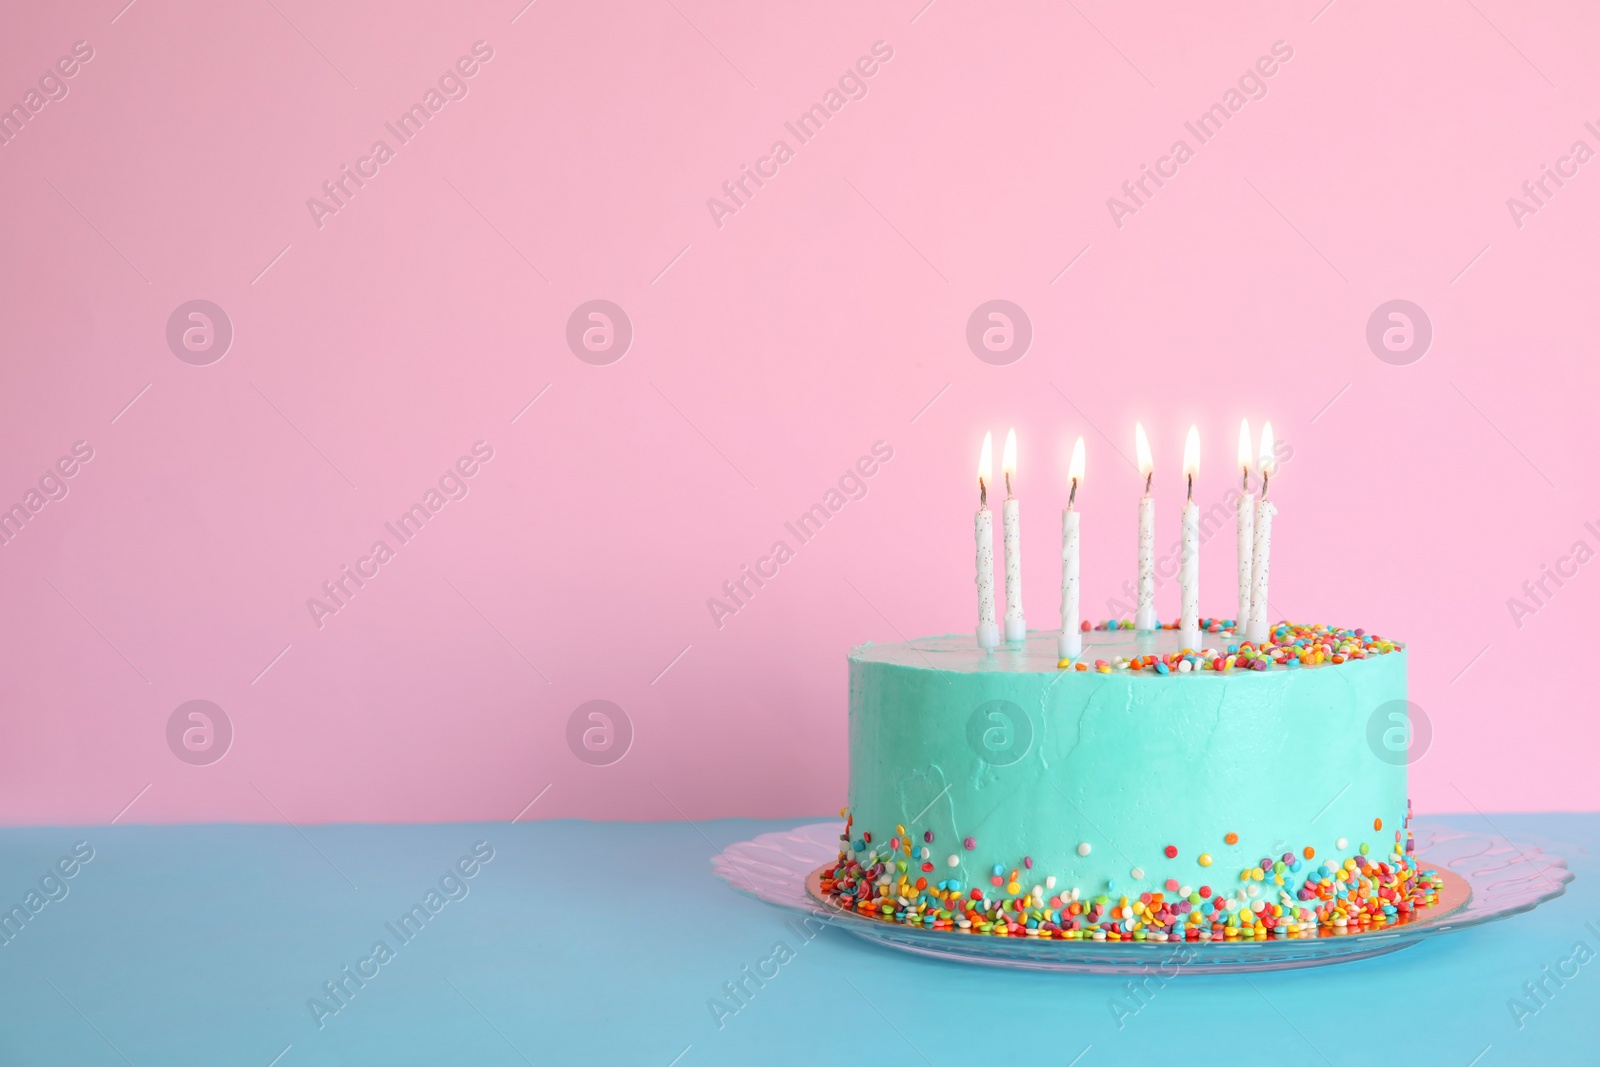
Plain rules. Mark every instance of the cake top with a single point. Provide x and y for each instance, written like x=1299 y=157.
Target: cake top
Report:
x=1292 y=646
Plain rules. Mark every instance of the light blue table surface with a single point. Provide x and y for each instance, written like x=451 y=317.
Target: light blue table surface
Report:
x=602 y=943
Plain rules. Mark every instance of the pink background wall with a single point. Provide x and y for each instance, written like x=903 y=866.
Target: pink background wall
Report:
x=768 y=354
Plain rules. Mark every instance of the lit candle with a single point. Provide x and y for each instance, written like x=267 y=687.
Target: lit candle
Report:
x=1070 y=645
x=983 y=527
x=1189 y=561
x=1244 y=523
x=1267 y=465
x=1016 y=628
x=1145 y=618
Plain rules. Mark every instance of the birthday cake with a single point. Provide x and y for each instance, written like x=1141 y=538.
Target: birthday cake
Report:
x=1211 y=779
x=1142 y=791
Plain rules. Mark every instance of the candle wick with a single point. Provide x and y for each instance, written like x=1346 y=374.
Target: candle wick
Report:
x=1008 y=483
x=1264 y=476
x=983 y=493
x=1147 y=479
x=1244 y=479
x=1072 y=496
x=1191 y=488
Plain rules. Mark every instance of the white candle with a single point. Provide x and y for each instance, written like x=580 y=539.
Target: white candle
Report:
x=983 y=528
x=1145 y=617
x=1070 y=645
x=1189 y=561
x=1263 y=544
x=1244 y=524
x=1016 y=628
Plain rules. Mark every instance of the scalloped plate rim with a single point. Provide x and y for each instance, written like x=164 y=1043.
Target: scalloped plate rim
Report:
x=774 y=867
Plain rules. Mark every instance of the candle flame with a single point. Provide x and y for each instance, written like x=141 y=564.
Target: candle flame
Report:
x=986 y=460
x=1267 y=462
x=1245 y=455
x=1141 y=445
x=1008 y=461
x=1191 y=453
x=1075 y=470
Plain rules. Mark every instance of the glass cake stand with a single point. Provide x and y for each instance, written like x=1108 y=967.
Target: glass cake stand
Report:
x=1485 y=878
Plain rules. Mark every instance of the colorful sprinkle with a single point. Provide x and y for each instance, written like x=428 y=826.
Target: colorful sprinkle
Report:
x=1083 y=848
x=1205 y=859
x=1231 y=838
x=1333 y=898
x=1171 y=852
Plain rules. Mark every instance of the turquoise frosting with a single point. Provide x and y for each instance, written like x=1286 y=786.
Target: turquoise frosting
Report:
x=1029 y=760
